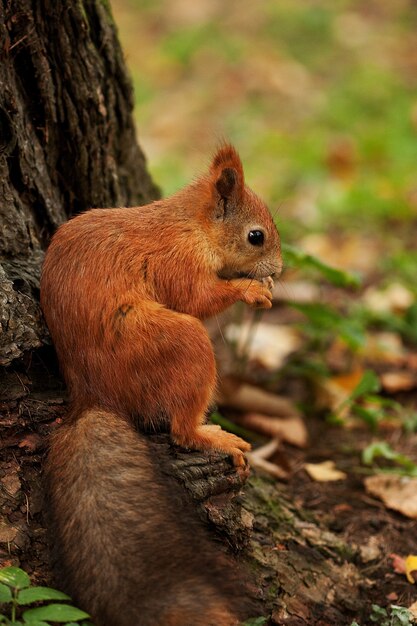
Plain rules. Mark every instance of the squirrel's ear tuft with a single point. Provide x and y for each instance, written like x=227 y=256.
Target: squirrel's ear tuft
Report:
x=227 y=172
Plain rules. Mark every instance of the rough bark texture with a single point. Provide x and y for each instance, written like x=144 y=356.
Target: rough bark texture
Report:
x=67 y=142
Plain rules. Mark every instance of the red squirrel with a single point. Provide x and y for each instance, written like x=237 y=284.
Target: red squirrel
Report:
x=123 y=292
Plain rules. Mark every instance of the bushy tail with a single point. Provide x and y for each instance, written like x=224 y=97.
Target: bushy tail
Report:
x=128 y=549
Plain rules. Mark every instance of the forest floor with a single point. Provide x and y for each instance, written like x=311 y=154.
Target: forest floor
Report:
x=353 y=405
x=357 y=518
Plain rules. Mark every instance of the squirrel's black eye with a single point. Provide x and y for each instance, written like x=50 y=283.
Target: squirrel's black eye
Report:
x=256 y=237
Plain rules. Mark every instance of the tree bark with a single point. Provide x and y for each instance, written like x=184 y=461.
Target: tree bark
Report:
x=67 y=143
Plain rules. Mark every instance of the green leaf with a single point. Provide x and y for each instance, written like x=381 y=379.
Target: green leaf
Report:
x=401 y=616
x=377 y=614
x=217 y=418
x=14 y=577
x=351 y=332
x=369 y=383
x=384 y=450
x=324 y=320
x=298 y=258
x=5 y=594
x=377 y=449
x=39 y=623
x=37 y=594
x=55 y=613
x=256 y=621
x=318 y=314
x=370 y=416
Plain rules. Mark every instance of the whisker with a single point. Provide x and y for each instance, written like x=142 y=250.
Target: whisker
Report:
x=275 y=213
x=286 y=288
x=220 y=330
x=251 y=281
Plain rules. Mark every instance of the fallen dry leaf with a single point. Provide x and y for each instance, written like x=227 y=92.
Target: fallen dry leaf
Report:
x=411 y=568
x=392 y=597
x=353 y=252
x=259 y=459
x=343 y=507
x=398 y=381
x=407 y=566
x=394 y=299
x=398 y=563
x=290 y=429
x=7 y=533
x=267 y=344
x=235 y=394
x=296 y=291
x=332 y=392
x=324 y=472
x=11 y=483
x=384 y=347
x=396 y=492
x=371 y=550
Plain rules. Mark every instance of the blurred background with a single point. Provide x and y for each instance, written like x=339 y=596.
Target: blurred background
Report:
x=319 y=97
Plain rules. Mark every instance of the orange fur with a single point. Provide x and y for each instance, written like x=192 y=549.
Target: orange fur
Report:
x=123 y=292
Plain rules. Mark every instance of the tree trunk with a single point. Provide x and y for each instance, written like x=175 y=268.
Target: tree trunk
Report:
x=67 y=143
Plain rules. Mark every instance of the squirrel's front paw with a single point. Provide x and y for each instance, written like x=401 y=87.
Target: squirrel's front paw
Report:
x=258 y=295
x=268 y=282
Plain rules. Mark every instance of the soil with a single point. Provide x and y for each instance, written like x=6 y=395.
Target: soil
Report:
x=358 y=519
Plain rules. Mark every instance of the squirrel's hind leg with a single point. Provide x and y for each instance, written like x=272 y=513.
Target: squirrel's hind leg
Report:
x=168 y=358
x=195 y=387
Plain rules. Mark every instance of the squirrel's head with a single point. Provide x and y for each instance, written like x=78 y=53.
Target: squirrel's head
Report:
x=247 y=239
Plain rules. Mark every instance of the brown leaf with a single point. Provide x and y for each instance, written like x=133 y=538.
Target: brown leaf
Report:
x=396 y=492
x=266 y=344
x=11 y=483
x=394 y=299
x=235 y=394
x=392 y=597
x=332 y=392
x=353 y=252
x=398 y=563
x=324 y=472
x=385 y=347
x=398 y=381
x=290 y=429
x=296 y=291
x=258 y=459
